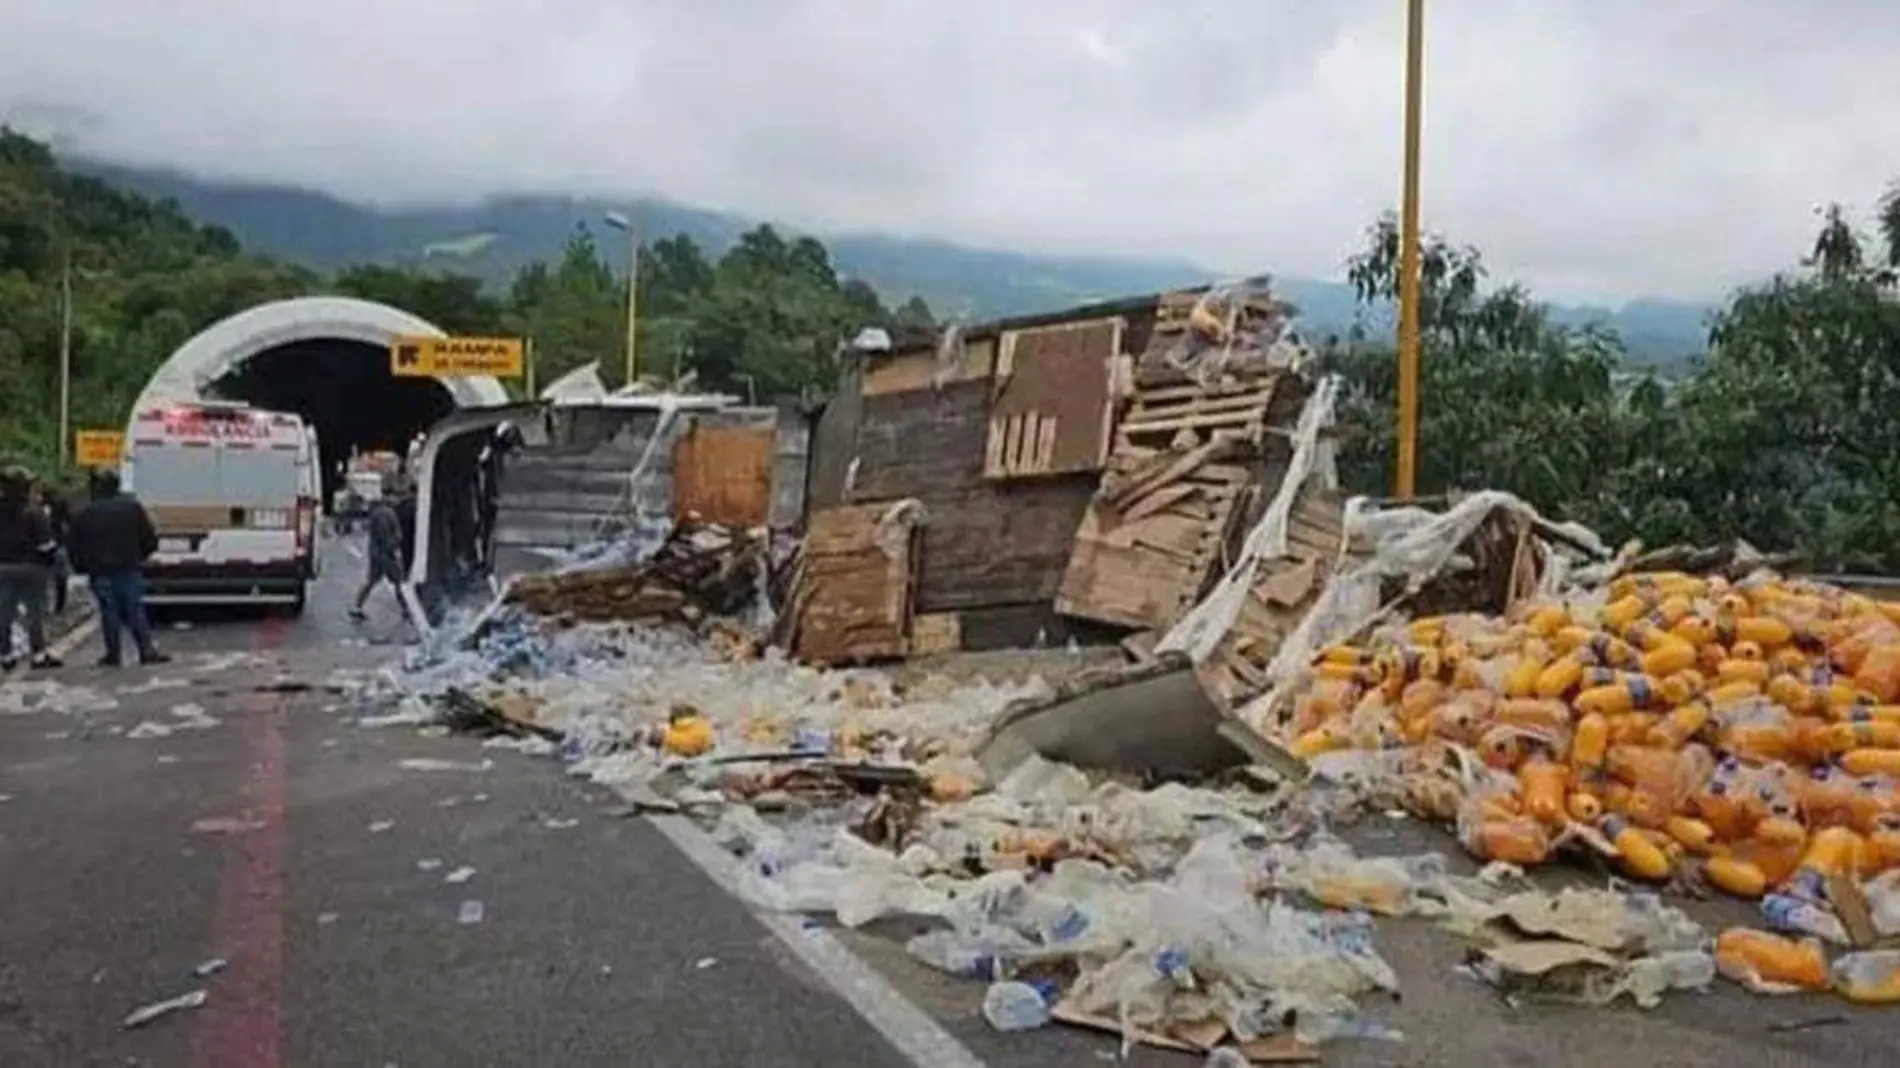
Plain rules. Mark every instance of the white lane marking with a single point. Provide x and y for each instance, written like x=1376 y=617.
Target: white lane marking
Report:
x=62 y=648
x=903 y=1025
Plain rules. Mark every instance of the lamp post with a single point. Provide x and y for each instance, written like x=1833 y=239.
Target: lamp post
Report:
x=624 y=223
x=1407 y=473
x=66 y=361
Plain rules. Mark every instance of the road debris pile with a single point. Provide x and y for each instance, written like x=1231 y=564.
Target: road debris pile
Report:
x=1693 y=729
x=700 y=569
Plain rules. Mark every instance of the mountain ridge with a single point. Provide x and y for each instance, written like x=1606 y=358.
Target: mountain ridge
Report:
x=491 y=239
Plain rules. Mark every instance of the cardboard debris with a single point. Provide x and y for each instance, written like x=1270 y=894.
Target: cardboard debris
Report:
x=701 y=569
x=851 y=601
x=1196 y=1037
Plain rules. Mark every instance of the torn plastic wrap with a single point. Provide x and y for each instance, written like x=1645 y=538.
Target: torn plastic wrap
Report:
x=1236 y=328
x=1201 y=631
x=1408 y=543
x=950 y=350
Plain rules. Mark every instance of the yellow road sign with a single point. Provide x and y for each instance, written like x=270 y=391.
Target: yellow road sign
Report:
x=455 y=357
x=98 y=448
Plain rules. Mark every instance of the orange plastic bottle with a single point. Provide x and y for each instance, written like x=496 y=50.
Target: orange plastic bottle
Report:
x=1624 y=610
x=1736 y=876
x=1748 y=651
x=1879 y=671
x=1791 y=693
x=1765 y=631
x=1632 y=728
x=1541 y=782
x=1536 y=713
x=1683 y=723
x=1872 y=762
x=1520 y=679
x=1668 y=655
x=1630 y=693
x=1501 y=748
x=1519 y=840
x=1558 y=678
x=1641 y=858
x=1739 y=670
x=1756 y=959
x=1692 y=834
x=1585 y=806
x=1590 y=743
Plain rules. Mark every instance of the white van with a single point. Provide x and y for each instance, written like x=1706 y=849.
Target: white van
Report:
x=234 y=493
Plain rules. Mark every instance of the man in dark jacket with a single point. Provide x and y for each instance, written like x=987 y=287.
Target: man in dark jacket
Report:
x=26 y=555
x=112 y=537
x=60 y=515
x=387 y=559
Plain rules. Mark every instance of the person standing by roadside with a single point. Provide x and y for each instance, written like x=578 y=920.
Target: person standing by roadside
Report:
x=385 y=554
x=59 y=514
x=112 y=537
x=26 y=553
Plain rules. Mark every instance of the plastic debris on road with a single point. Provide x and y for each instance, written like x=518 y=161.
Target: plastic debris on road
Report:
x=142 y=1016
x=1221 y=913
x=470 y=913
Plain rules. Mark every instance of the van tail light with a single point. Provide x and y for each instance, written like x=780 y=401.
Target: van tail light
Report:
x=306 y=524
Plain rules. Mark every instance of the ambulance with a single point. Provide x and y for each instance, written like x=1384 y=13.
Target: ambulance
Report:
x=234 y=492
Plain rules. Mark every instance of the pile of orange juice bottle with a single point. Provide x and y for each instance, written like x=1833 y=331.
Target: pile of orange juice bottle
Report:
x=1751 y=729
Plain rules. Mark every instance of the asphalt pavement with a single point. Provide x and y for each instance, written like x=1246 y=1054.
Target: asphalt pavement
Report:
x=485 y=909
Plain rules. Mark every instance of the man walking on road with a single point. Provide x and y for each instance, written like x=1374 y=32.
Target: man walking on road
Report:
x=112 y=537
x=386 y=556
x=27 y=549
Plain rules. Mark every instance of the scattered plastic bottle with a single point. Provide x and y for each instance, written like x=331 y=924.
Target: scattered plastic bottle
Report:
x=1226 y=1057
x=1317 y=1030
x=1793 y=915
x=1766 y=963
x=1014 y=1006
x=1649 y=978
x=946 y=952
x=1871 y=978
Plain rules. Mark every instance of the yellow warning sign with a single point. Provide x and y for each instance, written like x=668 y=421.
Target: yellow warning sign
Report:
x=455 y=357
x=98 y=448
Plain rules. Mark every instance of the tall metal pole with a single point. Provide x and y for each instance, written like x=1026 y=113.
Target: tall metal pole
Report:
x=1407 y=475
x=527 y=358
x=633 y=302
x=66 y=361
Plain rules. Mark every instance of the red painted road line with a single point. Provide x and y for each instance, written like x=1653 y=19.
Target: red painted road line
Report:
x=243 y=1024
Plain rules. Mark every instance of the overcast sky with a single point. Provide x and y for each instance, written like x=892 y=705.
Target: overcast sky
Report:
x=1598 y=149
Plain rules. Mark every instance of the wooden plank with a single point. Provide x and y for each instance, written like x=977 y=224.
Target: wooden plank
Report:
x=1163 y=394
x=1160 y=500
x=1246 y=419
x=936 y=633
x=856 y=585
x=1160 y=472
x=1054 y=391
x=723 y=474
x=1146 y=409
x=918 y=369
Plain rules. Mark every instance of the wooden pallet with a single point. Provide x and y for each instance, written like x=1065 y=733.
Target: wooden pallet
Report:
x=1160 y=415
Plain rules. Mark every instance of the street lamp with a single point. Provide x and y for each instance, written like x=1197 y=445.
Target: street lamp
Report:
x=624 y=223
x=1407 y=473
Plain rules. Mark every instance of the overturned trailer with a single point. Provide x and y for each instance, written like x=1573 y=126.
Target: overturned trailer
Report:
x=574 y=471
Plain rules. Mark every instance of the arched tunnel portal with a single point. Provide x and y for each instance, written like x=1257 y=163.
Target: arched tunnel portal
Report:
x=326 y=359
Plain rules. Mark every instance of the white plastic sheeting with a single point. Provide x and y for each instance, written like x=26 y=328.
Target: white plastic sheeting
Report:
x=1412 y=543
x=1200 y=632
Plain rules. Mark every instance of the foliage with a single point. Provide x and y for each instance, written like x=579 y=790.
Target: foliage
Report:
x=768 y=315
x=1779 y=437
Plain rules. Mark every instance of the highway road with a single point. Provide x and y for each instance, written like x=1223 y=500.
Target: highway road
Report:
x=262 y=827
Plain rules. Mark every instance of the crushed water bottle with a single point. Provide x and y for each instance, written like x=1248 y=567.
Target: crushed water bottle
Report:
x=948 y=952
x=1226 y=1057
x=1014 y=1006
x=1793 y=915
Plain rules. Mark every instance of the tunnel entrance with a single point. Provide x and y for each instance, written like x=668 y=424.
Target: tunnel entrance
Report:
x=344 y=390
